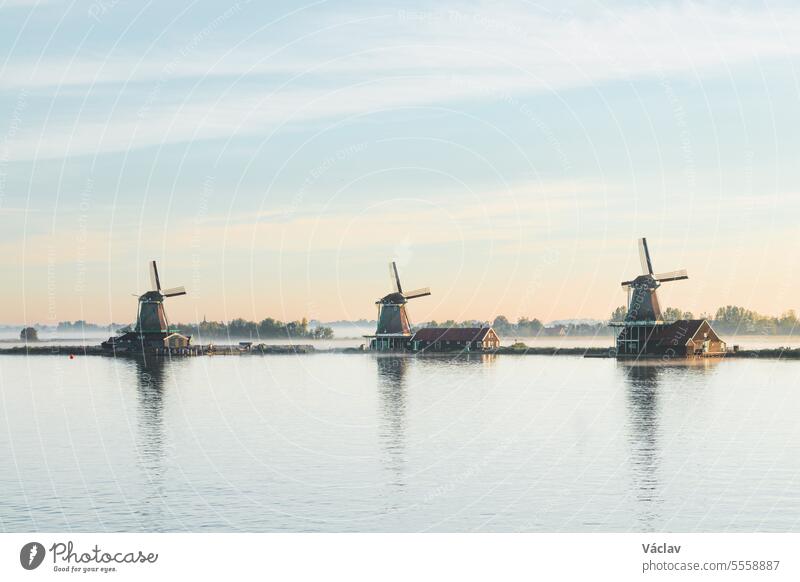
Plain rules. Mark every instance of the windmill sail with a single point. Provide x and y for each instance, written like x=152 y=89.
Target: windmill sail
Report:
x=644 y=257
x=417 y=293
x=154 y=280
x=395 y=277
x=174 y=291
x=671 y=276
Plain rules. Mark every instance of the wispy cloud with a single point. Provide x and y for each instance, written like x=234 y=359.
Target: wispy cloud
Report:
x=350 y=65
x=547 y=50
x=23 y=3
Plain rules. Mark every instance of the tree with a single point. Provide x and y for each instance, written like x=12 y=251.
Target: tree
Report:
x=787 y=323
x=619 y=314
x=29 y=334
x=529 y=327
x=674 y=314
x=264 y=329
x=501 y=323
x=733 y=318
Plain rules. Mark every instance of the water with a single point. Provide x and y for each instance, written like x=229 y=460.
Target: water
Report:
x=364 y=443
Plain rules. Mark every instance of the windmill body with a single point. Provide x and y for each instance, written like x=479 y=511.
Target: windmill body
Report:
x=392 y=315
x=152 y=325
x=151 y=317
x=393 y=331
x=643 y=304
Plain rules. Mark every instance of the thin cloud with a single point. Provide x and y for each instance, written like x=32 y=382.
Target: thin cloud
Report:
x=396 y=60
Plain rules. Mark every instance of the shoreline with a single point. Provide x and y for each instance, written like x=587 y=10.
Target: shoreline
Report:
x=307 y=349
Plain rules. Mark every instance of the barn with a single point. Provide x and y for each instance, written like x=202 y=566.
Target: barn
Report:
x=682 y=338
x=446 y=339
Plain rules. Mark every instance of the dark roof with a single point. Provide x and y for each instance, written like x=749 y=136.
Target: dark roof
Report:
x=679 y=332
x=392 y=299
x=459 y=334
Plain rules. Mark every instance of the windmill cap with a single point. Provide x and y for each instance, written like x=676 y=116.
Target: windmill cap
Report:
x=392 y=299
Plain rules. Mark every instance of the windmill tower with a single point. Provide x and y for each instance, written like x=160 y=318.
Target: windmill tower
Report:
x=644 y=310
x=152 y=325
x=394 y=328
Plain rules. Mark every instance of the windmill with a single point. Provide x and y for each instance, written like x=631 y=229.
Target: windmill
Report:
x=151 y=317
x=152 y=325
x=643 y=305
x=394 y=328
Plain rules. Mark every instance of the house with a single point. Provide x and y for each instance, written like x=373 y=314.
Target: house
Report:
x=176 y=340
x=682 y=338
x=445 y=339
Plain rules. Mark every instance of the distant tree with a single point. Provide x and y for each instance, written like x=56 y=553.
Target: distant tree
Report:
x=733 y=318
x=529 y=327
x=619 y=314
x=501 y=324
x=321 y=332
x=788 y=323
x=29 y=334
x=264 y=329
x=674 y=314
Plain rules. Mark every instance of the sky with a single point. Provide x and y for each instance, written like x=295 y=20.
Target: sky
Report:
x=274 y=157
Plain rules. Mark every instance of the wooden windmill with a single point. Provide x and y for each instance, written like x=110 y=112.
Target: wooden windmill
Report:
x=394 y=327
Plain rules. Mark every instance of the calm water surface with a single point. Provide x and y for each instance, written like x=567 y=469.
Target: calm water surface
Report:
x=366 y=443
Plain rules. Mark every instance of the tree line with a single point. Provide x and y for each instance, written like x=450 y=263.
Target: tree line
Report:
x=732 y=319
x=268 y=328
x=526 y=327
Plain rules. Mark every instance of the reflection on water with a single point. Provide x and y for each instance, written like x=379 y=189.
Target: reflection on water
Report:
x=150 y=440
x=388 y=443
x=392 y=372
x=150 y=397
x=642 y=399
x=644 y=421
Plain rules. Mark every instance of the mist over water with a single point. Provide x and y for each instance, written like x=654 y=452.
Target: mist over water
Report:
x=379 y=443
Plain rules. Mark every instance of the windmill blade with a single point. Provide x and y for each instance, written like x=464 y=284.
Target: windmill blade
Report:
x=174 y=291
x=417 y=293
x=395 y=277
x=626 y=283
x=154 y=281
x=672 y=276
x=644 y=257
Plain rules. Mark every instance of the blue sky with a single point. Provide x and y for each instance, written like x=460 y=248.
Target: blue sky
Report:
x=275 y=157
